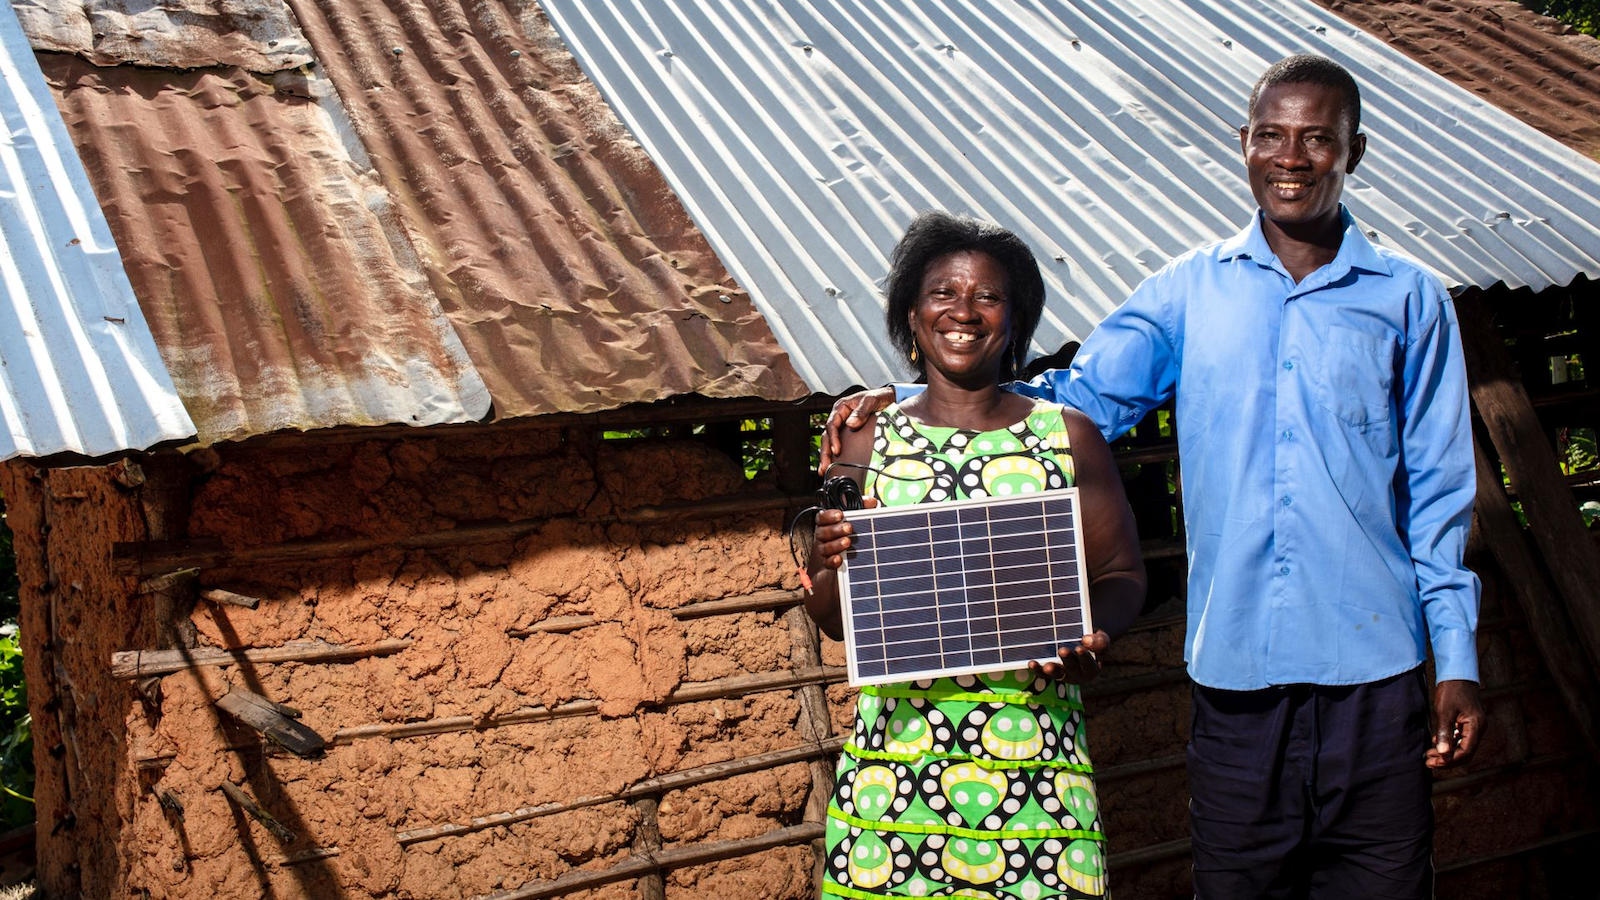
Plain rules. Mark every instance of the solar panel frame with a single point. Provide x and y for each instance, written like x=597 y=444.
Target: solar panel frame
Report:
x=925 y=581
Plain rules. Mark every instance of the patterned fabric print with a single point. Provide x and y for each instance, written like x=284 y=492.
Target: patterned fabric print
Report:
x=926 y=464
x=978 y=786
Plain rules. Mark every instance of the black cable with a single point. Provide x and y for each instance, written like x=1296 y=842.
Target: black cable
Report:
x=839 y=492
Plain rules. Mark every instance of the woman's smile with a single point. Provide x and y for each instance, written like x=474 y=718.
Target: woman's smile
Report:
x=962 y=319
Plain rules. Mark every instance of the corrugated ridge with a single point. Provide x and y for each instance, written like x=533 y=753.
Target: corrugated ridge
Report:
x=1531 y=66
x=803 y=136
x=561 y=256
x=79 y=370
x=258 y=256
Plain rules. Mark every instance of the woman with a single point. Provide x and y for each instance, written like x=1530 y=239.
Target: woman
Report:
x=961 y=810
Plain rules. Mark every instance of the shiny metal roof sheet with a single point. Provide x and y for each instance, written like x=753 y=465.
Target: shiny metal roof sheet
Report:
x=803 y=136
x=79 y=371
x=571 y=272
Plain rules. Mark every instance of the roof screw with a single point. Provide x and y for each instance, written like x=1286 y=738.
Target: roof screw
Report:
x=1076 y=44
x=1373 y=235
x=1227 y=43
x=1504 y=215
x=666 y=54
x=724 y=298
x=398 y=51
x=1060 y=258
x=830 y=291
x=515 y=54
x=808 y=49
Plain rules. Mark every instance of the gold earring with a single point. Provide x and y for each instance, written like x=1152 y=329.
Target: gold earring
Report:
x=913 y=350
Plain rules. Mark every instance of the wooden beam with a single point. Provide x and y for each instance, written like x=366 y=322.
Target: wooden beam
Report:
x=554 y=625
x=229 y=598
x=1552 y=513
x=129 y=664
x=672 y=858
x=693 y=692
x=1528 y=583
x=239 y=797
x=760 y=601
x=273 y=721
x=656 y=786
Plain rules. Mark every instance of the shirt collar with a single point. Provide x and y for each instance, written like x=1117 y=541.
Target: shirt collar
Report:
x=1355 y=251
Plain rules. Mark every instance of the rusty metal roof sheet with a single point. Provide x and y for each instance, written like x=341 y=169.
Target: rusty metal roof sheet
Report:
x=803 y=136
x=79 y=371
x=1532 y=66
x=570 y=270
x=265 y=258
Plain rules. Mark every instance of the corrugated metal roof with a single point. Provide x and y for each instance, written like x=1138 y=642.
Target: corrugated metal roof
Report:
x=803 y=136
x=571 y=272
x=79 y=371
x=266 y=258
x=177 y=34
x=1532 y=66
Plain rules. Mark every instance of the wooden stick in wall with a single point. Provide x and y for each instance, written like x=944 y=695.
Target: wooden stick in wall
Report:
x=651 y=786
x=239 y=797
x=229 y=598
x=273 y=720
x=130 y=664
x=674 y=858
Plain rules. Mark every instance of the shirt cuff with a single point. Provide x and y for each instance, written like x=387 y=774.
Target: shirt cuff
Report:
x=1455 y=655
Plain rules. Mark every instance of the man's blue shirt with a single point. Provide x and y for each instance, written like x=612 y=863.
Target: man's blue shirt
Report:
x=1326 y=452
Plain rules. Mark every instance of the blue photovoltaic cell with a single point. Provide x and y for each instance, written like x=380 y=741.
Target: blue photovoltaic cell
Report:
x=968 y=586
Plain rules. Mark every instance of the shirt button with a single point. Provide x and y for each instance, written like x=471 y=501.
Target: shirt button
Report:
x=1287 y=501
x=1288 y=434
x=1288 y=364
x=1283 y=571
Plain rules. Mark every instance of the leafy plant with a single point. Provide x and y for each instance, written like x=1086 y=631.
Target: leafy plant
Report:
x=16 y=738
x=1582 y=15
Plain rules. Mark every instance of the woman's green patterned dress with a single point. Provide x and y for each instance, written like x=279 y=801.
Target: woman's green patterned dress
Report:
x=976 y=786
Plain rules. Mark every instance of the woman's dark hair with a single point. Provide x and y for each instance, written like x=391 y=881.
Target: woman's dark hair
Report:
x=933 y=234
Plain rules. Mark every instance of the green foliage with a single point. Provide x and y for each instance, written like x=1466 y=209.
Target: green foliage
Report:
x=1582 y=15
x=16 y=741
x=16 y=738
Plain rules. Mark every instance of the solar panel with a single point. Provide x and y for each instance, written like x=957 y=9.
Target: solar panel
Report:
x=967 y=586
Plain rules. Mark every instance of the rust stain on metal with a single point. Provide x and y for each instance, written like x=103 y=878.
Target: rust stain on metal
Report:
x=260 y=252
x=1531 y=66
x=570 y=269
x=258 y=35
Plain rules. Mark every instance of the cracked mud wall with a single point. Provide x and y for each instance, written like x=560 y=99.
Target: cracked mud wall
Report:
x=456 y=606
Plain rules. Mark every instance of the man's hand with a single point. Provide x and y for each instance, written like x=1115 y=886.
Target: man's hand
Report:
x=1078 y=664
x=1459 y=722
x=850 y=412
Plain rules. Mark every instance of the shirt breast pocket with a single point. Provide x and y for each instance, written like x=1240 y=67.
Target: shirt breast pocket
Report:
x=1357 y=377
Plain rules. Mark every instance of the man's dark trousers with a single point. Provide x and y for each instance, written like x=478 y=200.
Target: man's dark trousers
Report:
x=1313 y=792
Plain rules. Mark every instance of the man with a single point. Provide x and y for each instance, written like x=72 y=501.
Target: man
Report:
x=1328 y=486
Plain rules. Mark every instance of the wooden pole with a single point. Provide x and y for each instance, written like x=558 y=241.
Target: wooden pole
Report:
x=238 y=796
x=675 y=858
x=1530 y=584
x=651 y=786
x=139 y=663
x=816 y=725
x=1552 y=513
x=229 y=598
x=272 y=721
